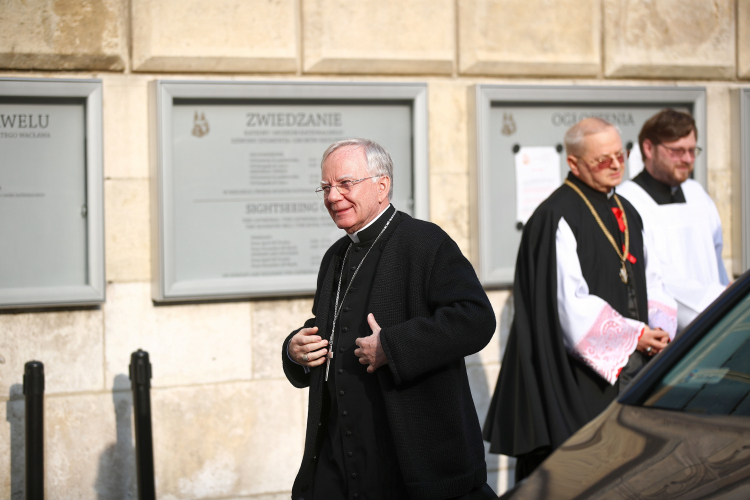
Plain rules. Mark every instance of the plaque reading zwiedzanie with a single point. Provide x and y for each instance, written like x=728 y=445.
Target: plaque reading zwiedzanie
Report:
x=245 y=219
x=50 y=193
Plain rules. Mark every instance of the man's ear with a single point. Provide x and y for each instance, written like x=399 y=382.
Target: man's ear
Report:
x=573 y=164
x=648 y=149
x=384 y=187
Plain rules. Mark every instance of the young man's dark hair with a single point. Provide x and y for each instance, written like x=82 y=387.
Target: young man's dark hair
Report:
x=666 y=126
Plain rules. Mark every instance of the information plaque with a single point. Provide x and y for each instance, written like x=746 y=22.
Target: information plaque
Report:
x=51 y=210
x=237 y=165
x=740 y=180
x=510 y=120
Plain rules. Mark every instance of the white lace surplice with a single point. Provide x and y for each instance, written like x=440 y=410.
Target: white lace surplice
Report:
x=593 y=331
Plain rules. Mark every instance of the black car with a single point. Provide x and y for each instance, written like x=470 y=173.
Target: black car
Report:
x=681 y=431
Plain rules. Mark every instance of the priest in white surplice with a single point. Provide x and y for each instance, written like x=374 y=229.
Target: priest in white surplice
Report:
x=678 y=214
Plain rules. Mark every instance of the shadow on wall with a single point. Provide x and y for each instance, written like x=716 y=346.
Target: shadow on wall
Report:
x=15 y=415
x=116 y=475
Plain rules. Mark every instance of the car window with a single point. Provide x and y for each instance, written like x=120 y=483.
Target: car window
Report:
x=714 y=377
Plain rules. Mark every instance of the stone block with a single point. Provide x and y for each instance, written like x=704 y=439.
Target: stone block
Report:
x=64 y=35
x=482 y=380
x=529 y=37
x=449 y=206
x=69 y=343
x=125 y=103
x=379 y=36
x=502 y=304
x=669 y=38
x=226 y=440
x=272 y=321
x=187 y=344
x=718 y=140
x=254 y=36
x=503 y=479
x=448 y=132
x=743 y=38
x=12 y=445
x=126 y=230
x=89 y=447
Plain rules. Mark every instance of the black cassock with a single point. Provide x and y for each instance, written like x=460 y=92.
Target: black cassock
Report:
x=543 y=394
x=409 y=430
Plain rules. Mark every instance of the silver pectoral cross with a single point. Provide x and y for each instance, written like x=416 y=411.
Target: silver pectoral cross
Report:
x=329 y=356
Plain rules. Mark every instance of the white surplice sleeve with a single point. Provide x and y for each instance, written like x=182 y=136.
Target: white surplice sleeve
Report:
x=593 y=331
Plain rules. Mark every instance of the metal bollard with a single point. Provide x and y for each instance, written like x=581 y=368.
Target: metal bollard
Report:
x=140 y=381
x=33 y=390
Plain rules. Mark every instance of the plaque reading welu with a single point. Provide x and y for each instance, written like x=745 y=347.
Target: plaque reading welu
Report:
x=238 y=165
x=50 y=193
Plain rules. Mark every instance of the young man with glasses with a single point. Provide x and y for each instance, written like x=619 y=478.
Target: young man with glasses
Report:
x=590 y=309
x=396 y=310
x=679 y=214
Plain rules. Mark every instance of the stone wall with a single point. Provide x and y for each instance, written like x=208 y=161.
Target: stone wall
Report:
x=226 y=423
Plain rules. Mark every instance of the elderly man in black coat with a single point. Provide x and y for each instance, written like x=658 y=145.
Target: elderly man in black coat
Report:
x=397 y=308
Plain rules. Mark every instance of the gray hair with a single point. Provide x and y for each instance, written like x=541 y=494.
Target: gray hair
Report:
x=379 y=162
x=588 y=126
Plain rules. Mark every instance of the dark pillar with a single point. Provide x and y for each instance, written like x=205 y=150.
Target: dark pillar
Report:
x=33 y=390
x=140 y=380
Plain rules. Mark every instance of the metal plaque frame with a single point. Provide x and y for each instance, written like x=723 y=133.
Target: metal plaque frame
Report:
x=87 y=93
x=740 y=180
x=483 y=97
x=163 y=94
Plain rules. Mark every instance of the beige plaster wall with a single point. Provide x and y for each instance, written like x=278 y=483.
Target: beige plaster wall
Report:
x=226 y=422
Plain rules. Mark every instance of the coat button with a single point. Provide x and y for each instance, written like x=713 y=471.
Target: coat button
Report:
x=341 y=349
x=341 y=370
x=348 y=433
x=345 y=413
x=358 y=249
x=353 y=268
x=345 y=329
x=350 y=454
x=354 y=475
x=352 y=289
x=347 y=309
x=356 y=495
x=341 y=393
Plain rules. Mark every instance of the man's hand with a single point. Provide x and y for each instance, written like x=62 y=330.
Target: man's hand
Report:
x=656 y=340
x=307 y=348
x=370 y=350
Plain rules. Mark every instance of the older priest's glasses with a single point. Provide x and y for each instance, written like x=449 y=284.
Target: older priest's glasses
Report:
x=343 y=187
x=604 y=162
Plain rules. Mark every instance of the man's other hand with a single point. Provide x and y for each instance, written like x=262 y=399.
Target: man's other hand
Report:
x=652 y=341
x=307 y=348
x=370 y=350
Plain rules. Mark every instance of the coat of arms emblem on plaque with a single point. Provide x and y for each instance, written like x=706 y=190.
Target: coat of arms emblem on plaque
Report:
x=200 y=125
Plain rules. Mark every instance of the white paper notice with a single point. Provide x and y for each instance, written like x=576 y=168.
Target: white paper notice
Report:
x=635 y=162
x=537 y=175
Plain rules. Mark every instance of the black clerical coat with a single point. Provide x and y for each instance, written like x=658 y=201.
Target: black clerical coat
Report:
x=433 y=312
x=543 y=394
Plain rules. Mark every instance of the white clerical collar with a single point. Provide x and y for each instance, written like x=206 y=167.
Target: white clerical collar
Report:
x=610 y=193
x=354 y=236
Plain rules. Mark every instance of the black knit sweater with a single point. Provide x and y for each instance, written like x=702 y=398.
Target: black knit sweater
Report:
x=433 y=312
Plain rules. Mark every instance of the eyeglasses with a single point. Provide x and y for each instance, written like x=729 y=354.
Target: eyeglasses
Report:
x=343 y=188
x=604 y=162
x=680 y=152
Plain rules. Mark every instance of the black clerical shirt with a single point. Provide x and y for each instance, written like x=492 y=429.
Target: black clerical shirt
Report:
x=660 y=192
x=357 y=459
